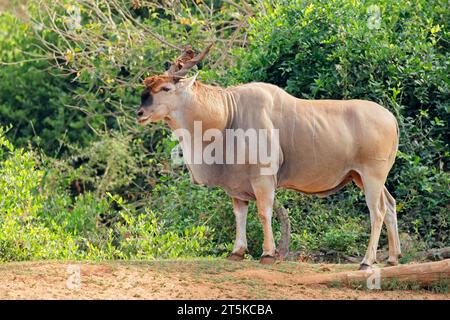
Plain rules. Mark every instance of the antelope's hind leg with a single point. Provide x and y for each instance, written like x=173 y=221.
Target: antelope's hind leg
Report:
x=375 y=199
x=390 y=221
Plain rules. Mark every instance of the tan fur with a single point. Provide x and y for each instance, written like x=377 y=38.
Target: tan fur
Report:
x=154 y=83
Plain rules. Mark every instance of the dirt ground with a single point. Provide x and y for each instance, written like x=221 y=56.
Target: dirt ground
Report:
x=182 y=279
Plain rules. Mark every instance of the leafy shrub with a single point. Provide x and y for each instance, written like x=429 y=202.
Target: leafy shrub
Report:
x=36 y=223
x=142 y=237
x=23 y=235
x=327 y=224
x=34 y=96
x=183 y=205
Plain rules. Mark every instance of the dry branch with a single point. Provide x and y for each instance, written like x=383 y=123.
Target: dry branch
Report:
x=283 y=245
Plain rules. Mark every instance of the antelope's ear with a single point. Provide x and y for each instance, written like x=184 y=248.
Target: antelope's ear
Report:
x=187 y=82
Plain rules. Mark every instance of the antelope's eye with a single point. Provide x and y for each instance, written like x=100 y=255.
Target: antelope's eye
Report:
x=165 y=89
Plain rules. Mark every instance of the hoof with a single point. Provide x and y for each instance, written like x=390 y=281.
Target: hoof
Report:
x=391 y=263
x=267 y=260
x=235 y=257
x=364 y=266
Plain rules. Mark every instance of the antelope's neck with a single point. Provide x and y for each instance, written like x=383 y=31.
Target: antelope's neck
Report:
x=210 y=108
x=213 y=107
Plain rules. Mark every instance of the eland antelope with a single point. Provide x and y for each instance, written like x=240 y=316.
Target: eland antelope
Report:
x=321 y=146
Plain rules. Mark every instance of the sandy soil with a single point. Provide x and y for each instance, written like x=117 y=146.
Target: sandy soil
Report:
x=181 y=279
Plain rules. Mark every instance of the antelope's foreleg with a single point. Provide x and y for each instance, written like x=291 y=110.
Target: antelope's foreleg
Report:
x=240 y=209
x=265 y=193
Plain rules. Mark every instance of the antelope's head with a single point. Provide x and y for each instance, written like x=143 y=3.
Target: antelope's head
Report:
x=166 y=96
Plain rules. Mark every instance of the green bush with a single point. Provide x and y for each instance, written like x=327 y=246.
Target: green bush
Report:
x=327 y=224
x=142 y=237
x=23 y=235
x=38 y=223
x=183 y=205
x=34 y=96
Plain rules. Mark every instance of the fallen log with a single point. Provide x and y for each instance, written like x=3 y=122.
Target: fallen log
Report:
x=422 y=273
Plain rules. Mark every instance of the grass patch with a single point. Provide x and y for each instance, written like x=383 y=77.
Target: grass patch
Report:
x=336 y=284
x=441 y=286
x=395 y=284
